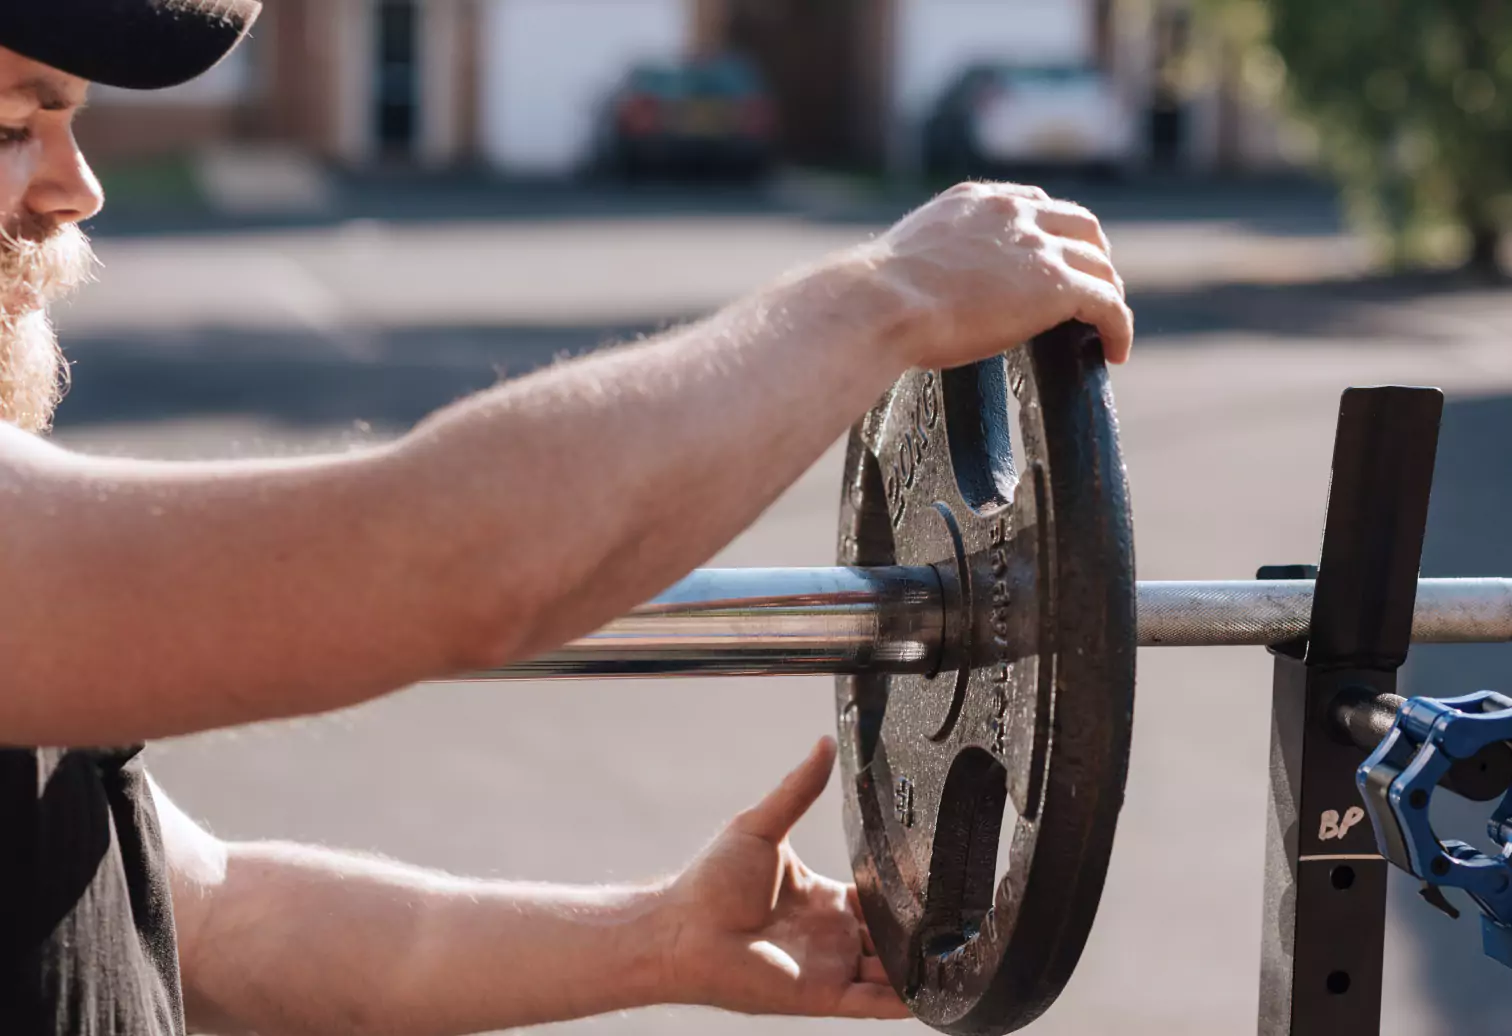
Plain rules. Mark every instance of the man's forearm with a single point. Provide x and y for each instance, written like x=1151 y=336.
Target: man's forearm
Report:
x=306 y=941
x=597 y=485
x=146 y=600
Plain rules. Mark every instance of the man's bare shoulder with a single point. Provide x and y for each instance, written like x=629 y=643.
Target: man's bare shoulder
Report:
x=34 y=469
x=37 y=479
x=25 y=452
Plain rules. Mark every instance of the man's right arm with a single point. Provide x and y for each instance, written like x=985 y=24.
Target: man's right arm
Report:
x=142 y=600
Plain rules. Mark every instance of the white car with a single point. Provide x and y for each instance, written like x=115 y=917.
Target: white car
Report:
x=1001 y=115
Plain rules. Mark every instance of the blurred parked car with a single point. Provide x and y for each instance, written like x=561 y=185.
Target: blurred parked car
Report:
x=708 y=117
x=998 y=117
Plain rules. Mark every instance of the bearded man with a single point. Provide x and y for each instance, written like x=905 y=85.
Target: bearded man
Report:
x=142 y=600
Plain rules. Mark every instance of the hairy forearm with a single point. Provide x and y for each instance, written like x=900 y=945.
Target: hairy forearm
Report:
x=596 y=486
x=306 y=941
x=146 y=600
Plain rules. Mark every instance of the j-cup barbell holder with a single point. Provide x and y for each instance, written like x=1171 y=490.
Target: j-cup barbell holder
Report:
x=981 y=626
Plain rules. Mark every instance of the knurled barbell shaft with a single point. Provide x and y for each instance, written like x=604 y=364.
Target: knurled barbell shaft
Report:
x=1260 y=613
x=805 y=621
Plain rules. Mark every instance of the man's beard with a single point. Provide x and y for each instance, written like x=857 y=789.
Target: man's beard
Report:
x=39 y=264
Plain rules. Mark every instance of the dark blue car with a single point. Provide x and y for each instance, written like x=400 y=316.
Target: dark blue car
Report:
x=712 y=117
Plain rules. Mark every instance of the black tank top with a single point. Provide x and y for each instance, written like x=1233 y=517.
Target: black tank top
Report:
x=87 y=943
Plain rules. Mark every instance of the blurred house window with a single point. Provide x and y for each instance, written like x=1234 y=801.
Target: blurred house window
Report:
x=398 y=76
x=1167 y=119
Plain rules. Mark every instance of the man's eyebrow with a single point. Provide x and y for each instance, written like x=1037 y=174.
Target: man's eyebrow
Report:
x=46 y=93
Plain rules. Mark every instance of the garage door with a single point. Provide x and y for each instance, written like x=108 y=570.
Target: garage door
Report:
x=937 y=38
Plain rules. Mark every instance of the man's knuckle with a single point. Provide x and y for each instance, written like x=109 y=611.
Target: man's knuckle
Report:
x=1055 y=273
x=1009 y=205
x=1033 y=239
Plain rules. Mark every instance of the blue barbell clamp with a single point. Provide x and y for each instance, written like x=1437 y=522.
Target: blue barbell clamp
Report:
x=1397 y=783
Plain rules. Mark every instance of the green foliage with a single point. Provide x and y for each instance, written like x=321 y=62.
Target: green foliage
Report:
x=1412 y=103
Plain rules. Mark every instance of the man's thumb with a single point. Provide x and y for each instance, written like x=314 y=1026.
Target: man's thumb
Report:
x=774 y=816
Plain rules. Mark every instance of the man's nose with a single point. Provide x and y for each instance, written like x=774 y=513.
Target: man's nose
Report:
x=65 y=189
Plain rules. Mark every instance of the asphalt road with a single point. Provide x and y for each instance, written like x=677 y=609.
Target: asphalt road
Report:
x=291 y=340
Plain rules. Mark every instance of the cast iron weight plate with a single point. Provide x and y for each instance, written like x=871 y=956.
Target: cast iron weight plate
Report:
x=1024 y=729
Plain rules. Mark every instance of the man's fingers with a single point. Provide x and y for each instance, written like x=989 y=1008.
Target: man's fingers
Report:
x=871 y=1000
x=774 y=816
x=1068 y=219
x=1090 y=259
x=1101 y=304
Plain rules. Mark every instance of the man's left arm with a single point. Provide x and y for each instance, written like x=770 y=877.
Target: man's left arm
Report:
x=283 y=940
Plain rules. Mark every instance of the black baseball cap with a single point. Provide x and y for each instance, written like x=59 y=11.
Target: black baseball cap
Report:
x=135 y=44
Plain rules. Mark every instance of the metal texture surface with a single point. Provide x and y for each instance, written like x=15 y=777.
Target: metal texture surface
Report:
x=847 y=621
x=1323 y=932
x=767 y=621
x=981 y=801
x=1270 y=612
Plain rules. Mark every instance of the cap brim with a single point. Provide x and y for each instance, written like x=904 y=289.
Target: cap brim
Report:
x=135 y=44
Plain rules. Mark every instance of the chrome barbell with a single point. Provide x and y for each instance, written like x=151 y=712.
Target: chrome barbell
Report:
x=806 y=621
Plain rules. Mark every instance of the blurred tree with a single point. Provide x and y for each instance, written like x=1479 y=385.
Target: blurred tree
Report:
x=1411 y=101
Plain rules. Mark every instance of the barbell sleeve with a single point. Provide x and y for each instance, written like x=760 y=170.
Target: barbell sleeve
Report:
x=807 y=621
